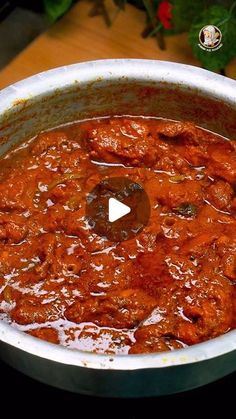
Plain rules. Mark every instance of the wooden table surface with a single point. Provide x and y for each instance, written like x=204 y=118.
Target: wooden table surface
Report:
x=78 y=37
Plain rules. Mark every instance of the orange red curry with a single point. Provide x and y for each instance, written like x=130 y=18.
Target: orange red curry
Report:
x=171 y=286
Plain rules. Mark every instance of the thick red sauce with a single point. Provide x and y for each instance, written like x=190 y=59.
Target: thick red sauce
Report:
x=172 y=285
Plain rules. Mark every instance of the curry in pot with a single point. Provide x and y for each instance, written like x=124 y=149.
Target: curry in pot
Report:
x=170 y=286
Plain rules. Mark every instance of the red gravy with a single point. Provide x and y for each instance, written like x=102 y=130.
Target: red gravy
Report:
x=171 y=286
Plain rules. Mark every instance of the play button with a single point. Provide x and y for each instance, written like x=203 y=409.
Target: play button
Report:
x=117 y=208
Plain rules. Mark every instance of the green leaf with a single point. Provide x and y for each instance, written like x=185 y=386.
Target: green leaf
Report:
x=184 y=13
x=156 y=3
x=186 y=209
x=226 y=22
x=120 y=3
x=56 y=8
x=137 y=3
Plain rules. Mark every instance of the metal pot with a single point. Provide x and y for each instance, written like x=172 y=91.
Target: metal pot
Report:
x=136 y=87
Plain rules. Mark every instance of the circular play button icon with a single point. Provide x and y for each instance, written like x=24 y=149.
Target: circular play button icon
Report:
x=117 y=208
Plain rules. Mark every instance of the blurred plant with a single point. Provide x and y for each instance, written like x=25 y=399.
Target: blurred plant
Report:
x=56 y=8
x=176 y=16
x=168 y=17
x=225 y=20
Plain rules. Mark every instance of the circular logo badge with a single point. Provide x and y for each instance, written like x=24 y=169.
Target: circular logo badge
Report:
x=210 y=38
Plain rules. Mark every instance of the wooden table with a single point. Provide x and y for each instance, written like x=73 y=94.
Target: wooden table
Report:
x=78 y=37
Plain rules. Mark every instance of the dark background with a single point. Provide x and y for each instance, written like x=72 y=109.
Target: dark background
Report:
x=45 y=399
x=18 y=27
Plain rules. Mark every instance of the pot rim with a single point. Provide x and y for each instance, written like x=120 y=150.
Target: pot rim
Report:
x=48 y=81
x=184 y=76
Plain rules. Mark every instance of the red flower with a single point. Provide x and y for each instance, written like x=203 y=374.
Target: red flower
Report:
x=164 y=14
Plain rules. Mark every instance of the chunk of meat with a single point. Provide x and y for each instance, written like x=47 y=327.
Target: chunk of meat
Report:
x=123 y=141
x=45 y=253
x=209 y=320
x=229 y=266
x=13 y=228
x=14 y=196
x=47 y=140
x=186 y=132
x=148 y=341
x=190 y=141
x=222 y=162
x=31 y=310
x=186 y=192
x=54 y=218
x=211 y=218
x=151 y=273
x=208 y=309
x=197 y=245
x=45 y=333
x=10 y=295
x=183 y=130
x=121 y=310
x=74 y=224
x=220 y=194
x=199 y=316
x=173 y=195
x=226 y=249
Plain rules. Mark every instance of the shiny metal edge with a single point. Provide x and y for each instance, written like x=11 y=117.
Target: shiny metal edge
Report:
x=160 y=71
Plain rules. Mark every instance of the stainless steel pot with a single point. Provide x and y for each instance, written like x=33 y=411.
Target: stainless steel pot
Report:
x=103 y=88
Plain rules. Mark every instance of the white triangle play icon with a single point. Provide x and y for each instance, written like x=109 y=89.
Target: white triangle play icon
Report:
x=117 y=210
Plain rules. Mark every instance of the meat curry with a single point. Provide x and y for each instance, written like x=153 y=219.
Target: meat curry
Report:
x=171 y=286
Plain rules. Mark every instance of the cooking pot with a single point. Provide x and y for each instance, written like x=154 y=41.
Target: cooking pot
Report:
x=112 y=87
